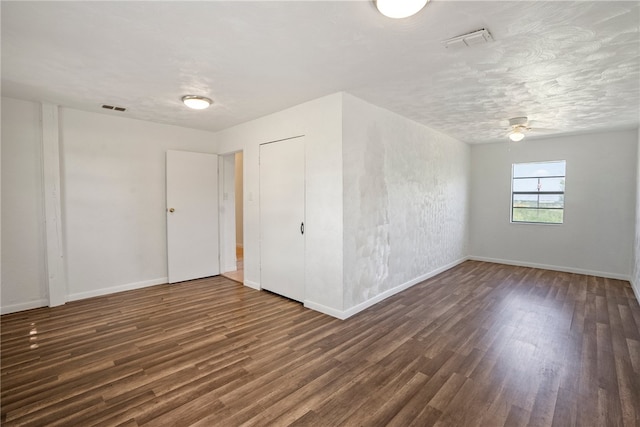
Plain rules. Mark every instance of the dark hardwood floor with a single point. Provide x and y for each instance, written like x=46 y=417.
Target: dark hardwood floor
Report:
x=479 y=345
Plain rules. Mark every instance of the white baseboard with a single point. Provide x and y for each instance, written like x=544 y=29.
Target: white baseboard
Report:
x=14 y=308
x=252 y=285
x=98 y=292
x=553 y=268
x=345 y=314
x=340 y=314
x=120 y=288
x=386 y=294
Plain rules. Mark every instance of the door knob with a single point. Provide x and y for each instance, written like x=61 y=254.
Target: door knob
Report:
x=171 y=210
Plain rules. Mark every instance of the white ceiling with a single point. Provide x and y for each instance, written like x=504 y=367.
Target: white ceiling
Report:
x=570 y=66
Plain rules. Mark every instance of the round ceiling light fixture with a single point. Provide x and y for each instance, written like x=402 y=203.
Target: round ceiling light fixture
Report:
x=516 y=135
x=400 y=8
x=196 y=102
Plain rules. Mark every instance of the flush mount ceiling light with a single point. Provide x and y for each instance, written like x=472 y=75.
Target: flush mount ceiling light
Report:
x=400 y=8
x=196 y=102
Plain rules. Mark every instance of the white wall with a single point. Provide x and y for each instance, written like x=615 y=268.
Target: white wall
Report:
x=114 y=207
x=386 y=201
x=597 y=234
x=635 y=277
x=23 y=244
x=321 y=123
x=405 y=202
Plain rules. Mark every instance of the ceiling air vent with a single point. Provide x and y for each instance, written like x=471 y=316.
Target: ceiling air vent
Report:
x=111 y=107
x=468 y=40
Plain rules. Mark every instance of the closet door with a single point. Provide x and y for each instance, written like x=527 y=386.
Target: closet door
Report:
x=282 y=193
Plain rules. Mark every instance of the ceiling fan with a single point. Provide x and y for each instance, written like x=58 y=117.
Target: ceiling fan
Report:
x=519 y=126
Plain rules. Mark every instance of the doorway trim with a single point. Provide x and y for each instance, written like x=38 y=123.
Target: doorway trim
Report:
x=227 y=196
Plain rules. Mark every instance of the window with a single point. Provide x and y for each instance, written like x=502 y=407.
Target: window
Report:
x=537 y=192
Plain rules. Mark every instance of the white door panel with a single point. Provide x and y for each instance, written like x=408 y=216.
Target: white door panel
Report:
x=192 y=215
x=282 y=193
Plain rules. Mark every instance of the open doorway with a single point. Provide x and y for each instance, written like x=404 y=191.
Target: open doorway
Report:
x=233 y=203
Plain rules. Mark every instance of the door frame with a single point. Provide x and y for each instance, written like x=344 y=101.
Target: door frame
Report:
x=227 y=212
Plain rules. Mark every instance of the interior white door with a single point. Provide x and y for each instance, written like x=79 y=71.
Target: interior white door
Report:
x=282 y=196
x=192 y=215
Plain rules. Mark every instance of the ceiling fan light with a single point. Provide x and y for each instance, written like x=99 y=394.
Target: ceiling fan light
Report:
x=400 y=8
x=196 y=102
x=516 y=136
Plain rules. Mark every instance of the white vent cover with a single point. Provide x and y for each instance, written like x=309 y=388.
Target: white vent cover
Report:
x=468 y=40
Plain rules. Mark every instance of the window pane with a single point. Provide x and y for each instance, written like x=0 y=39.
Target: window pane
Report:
x=528 y=184
x=551 y=216
x=551 y=184
x=539 y=169
x=525 y=201
x=539 y=179
x=538 y=184
x=552 y=201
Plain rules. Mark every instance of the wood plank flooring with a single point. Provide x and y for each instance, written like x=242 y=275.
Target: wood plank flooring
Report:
x=238 y=274
x=479 y=345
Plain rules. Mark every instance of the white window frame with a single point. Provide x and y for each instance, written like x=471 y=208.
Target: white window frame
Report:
x=537 y=193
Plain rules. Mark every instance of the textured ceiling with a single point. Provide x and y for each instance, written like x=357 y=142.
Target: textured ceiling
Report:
x=570 y=66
